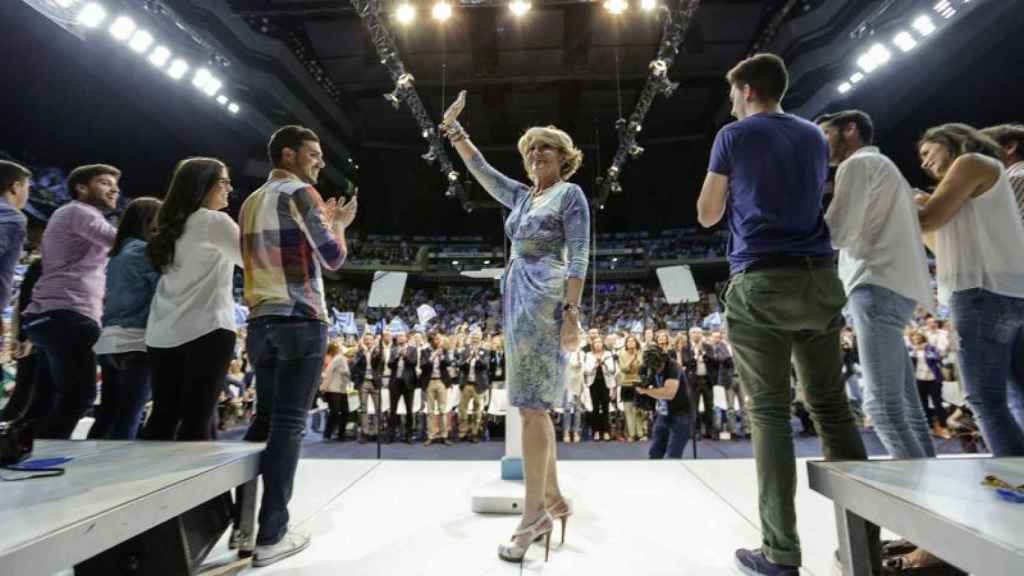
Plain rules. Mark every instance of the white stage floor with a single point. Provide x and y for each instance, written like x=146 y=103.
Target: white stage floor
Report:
x=632 y=517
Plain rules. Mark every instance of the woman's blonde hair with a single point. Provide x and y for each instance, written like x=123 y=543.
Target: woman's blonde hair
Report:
x=557 y=139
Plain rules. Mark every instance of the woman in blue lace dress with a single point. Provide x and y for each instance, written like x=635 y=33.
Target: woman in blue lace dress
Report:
x=549 y=226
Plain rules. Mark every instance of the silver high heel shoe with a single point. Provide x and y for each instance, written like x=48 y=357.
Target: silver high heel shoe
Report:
x=522 y=539
x=560 y=510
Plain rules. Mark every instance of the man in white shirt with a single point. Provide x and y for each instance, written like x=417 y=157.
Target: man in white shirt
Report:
x=882 y=264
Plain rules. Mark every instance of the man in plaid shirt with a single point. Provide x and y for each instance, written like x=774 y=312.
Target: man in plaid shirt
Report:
x=288 y=233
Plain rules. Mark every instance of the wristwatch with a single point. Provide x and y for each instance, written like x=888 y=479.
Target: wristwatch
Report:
x=571 y=307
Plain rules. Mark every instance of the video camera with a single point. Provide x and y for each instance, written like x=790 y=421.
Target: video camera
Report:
x=654 y=361
x=16 y=440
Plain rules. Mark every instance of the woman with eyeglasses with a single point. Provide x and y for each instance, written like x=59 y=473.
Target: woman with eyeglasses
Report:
x=191 y=329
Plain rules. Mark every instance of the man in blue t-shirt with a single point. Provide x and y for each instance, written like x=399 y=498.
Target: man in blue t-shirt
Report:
x=766 y=177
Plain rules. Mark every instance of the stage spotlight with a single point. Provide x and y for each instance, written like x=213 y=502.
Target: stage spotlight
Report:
x=222 y=100
x=233 y=108
x=177 y=69
x=616 y=6
x=867 y=63
x=613 y=172
x=945 y=9
x=426 y=136
x=857 y=77
x=615 y=188
x=442 y=11
x=845 y=87
x=122 y=28
x=141 y=41
x=519 y=7
x=405 y=81
x=453 y=176
x=212 y=87
x=406 y=13
x=873 y=58
x=430 y=156
x=880 y=54
x=635 y=127
x=201 y=78
x=159 y=56
x=923 y=25
x=393 y=98
x=659 y=68
x=450 y=192
x=648 y=5
x=904 y=41
x=635 y=151
x=92 y=15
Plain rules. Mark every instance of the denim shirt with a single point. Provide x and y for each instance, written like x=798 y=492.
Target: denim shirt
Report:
x=131 y=282
x=12 y=238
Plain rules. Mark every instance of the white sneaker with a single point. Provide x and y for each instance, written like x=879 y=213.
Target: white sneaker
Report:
x=292 y=543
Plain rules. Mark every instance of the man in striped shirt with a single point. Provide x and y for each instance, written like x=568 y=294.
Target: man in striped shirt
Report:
x=288 y=234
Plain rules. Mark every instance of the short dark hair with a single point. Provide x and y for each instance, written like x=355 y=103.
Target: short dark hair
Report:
x=1006 y=134
x=291 y=136
x=840 y=120
x=765 y=74
x=10 y=173
x=84 y=175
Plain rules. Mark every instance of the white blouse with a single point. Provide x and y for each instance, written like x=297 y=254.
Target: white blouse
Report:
x=980 y=246
x=194 y=296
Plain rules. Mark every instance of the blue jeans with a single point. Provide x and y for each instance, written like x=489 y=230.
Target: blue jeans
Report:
x=991 y=329
x=126 y=390
x=288 y=355
x=670 y=435
x=890 y=391
x=572 y=413
x=66 y=373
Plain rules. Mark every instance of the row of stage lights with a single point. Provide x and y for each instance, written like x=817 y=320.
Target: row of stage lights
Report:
x=441 y=11
x=879 y=54
x=124 y=30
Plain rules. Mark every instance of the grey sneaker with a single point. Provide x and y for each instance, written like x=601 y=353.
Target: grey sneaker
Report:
x=292 y=543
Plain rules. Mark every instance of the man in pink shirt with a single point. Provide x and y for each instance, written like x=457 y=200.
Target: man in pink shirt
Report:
x=63 y=319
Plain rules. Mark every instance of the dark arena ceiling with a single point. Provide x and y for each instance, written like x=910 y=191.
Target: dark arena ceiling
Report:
x=565 y=62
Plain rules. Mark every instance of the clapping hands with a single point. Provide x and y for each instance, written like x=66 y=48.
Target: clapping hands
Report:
x=343 y=213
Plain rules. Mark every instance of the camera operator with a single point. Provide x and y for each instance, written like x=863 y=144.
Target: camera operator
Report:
x=662 y=377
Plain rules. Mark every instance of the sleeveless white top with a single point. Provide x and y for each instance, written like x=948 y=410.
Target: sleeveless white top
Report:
x=980 y=247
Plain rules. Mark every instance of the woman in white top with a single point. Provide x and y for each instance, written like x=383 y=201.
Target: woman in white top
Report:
x=577 y=399
x=335 y=385
x=977 y=239
x=190 y=334
x=599 y=368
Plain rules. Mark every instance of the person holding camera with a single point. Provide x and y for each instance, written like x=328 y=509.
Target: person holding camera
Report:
x=662 y=377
